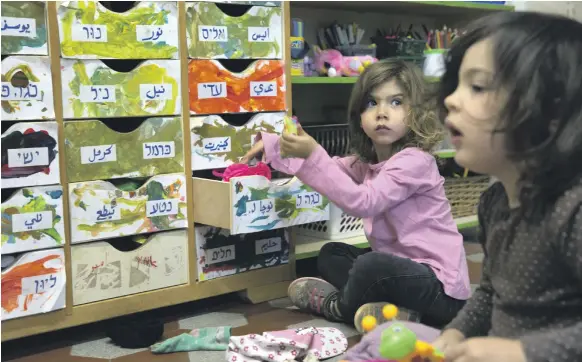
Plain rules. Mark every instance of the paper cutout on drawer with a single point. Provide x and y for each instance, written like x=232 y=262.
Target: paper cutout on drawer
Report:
x=221 y=254
x=101 y=272
x=30 y=155
x=260 y=204
x=88 y=30
x=24 y=28
x=34 y=284
x=213 y=89
x=156 y=147
x=209 y=131
x=100 y=210
x=32 y=218
x=27 y=89
x=92 y=90
x=212 y=34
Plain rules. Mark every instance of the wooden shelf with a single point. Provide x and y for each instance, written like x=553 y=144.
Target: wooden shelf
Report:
x=337 y=80
x=445 y=153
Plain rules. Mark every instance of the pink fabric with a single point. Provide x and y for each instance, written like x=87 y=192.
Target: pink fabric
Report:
x=401 y=201
x=241 y=169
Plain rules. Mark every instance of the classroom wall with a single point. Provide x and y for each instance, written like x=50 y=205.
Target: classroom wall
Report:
x=572 y=9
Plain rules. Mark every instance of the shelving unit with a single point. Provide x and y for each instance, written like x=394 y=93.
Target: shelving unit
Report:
x=337 y=80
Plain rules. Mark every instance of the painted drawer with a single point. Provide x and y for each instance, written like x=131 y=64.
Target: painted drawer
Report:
x=24 y=28
x=243 y=2
x=93 y=90
x=213 y=89
x=253 y=203
x=100 y=271
x=30 y=155
x=32 y=218
x=213 y=34
x=221 y=254
x=34 y=284
x=100 y=210
x=217 y=144
x=27 y=89
x=95 y=151
x=88 y=30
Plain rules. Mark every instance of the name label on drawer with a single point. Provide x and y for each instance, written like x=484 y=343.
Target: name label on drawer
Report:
x=18 y=27
x=156 y=33
x=216 y=144
x=105 y=213
x=259 y=34
x=219 y=255
x=212 y=90
x=28 y=221
x=89 y=33
x=264 y=89
x=212 y=33
x=159 y=150
x=28 y=157
x=162 y=207
x=98 y=154
x=97 y=93
x=155 y=92
x=39 y=284
x=261 y=207
x=307 y=200
x=266 y=246
x=12 y=93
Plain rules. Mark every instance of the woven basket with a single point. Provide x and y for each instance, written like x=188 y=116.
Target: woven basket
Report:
x=464 y=194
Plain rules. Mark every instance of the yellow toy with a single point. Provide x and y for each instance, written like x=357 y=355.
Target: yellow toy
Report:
x=290 y=125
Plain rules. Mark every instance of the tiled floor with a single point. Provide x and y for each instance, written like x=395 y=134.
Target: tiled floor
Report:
x=88 y=344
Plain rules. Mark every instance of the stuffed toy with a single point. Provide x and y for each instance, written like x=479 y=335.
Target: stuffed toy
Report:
x=332 y=63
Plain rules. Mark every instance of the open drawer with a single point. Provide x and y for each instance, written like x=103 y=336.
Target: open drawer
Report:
x=253 y=203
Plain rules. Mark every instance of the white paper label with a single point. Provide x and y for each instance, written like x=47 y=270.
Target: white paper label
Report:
x=212 y=33
x=28 y=157
x=12 y=93
x=97 y=93
x=212 y=90
x=159 y=150
x=104 y=213
x=261 y=207
x=18 y=27
x=264 y=89
x=98 y=154
x=219 y=255
x=155 y=92
x=307 y=200
x=259 y=34
x=156 y=33
x=162 y=207
x=265 y=246
x=39 y=220
x=89 y=33
x=39 y=284
x=216 y=144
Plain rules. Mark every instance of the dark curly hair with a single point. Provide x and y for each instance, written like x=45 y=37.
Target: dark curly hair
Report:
x=538 y=62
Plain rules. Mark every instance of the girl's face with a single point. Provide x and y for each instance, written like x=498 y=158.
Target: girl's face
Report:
x=474 y=113
x=383 y=120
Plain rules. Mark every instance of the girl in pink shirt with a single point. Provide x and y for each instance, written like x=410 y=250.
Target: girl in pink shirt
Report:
x=392 y=182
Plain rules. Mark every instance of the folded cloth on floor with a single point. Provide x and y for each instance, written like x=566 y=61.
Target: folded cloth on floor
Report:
x=203 y=339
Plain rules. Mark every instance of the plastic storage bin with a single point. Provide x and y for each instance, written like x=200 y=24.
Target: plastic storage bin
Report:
x=339 y=226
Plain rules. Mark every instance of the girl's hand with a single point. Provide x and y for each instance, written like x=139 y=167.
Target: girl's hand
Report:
x=486 y=349
x=300 y=145
x=257 y=148
x=448 y=339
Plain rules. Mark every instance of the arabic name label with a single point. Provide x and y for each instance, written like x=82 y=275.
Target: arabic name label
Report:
x=28 y=157
x=264 y=89
x=103 y=213
x=89 y=33
x=97 y=93
x=18 y=27
x=216 y=145
x=40 y=220
x=261 y=207
x=266 y=246
x=30 y=92
x=212 y=90
x=39 y=284
x=159 y=150
x=259 y=34
x=162 y=207
x=212 y=33
x=307 y=200
x=97 y=154
x=155 y=33
x=155 y=92
x=220 y=254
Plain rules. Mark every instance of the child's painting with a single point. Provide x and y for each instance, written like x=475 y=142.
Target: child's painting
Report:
x=217 y=144
x=32 y=218
x=30 y=155
x=212 y=34
x=245 y=2
x=34 y=284
x=88 y=30
x=101 y=210
x=93 y=90
x=260 y=204
x=156 y=147
x=24 y=28
x=221 y=254
x=215 y=89
x=100 y=271
x=27 y=88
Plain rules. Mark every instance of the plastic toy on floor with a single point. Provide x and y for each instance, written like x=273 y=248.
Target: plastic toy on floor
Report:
x=332 y=63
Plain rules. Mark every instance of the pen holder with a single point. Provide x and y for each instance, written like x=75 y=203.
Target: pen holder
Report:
x=388 y=48
x=434 y=62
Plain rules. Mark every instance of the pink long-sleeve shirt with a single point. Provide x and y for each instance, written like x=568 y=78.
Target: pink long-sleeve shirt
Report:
x=401 y=201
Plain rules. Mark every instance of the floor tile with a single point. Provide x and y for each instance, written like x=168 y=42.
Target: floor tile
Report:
x=215 y=319
x=101 y=348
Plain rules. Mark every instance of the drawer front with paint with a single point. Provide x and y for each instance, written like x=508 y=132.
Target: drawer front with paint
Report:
x=24 y=28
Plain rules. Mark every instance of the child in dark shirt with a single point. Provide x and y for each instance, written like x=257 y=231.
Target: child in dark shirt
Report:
x=512 y=100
